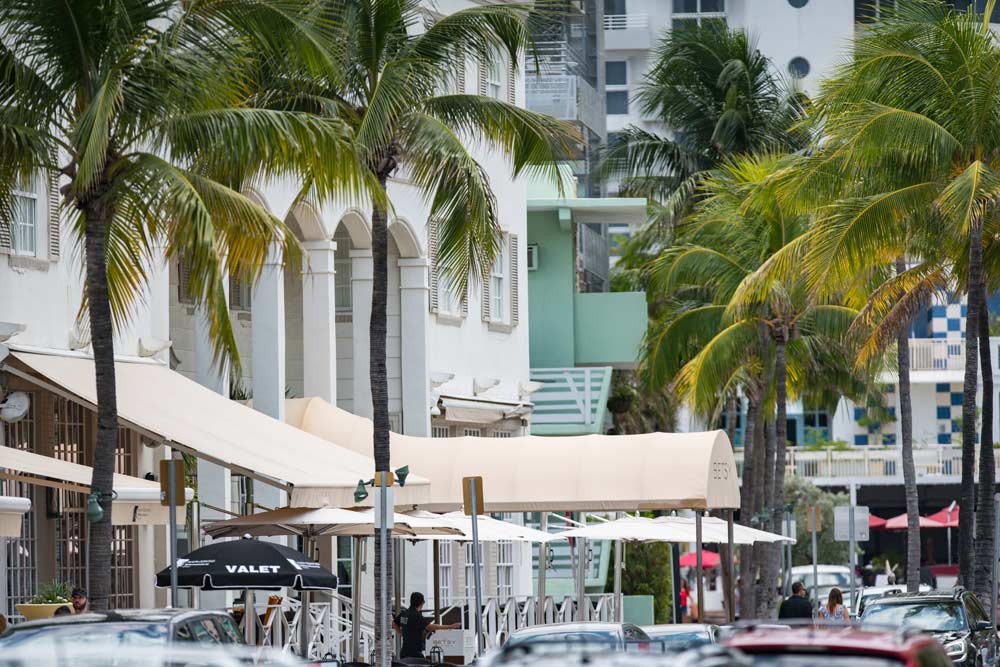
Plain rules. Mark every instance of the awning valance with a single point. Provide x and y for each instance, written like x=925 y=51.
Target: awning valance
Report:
x=533 y=473
x=169 y=407
x=137 y=501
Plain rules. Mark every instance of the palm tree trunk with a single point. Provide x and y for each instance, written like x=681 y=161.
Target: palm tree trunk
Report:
x=750 y=443
x=906 y=453
x=985 y=515
x=102 y=338
x=380 y=395
x=966 y=517
x=781 y=435
x=762 y=552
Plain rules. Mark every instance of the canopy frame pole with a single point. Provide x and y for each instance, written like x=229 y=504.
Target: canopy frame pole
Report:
x=356 y=600
x=172 y=530
x=619 y=611
x=730 y=569
x=249 y=617
x=700 y=574
x=194 y=535
x=582 y=612
x=674 y=583
x=304 y=598
x=436 y=564
x=543 y=566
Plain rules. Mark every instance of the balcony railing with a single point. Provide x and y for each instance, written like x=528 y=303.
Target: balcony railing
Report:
x=937 y=354
x=870 y=462
x=625 y=21
x=566 y=97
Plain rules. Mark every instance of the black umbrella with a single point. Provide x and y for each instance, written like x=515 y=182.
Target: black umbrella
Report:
x=248 y=564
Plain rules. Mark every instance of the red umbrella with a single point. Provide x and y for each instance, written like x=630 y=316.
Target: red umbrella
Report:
x=708 y=559
x=899 y=523
x=875 y=522
x=944 y=519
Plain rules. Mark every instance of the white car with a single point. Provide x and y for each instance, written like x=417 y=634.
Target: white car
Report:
x=827 y=578
x=867 y=595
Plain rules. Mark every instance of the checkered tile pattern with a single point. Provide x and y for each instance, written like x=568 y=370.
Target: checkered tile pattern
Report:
x=949 y=413
x=948 y=317
x=877 y=433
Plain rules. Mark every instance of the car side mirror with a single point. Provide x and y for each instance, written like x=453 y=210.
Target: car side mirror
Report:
x=983 y=625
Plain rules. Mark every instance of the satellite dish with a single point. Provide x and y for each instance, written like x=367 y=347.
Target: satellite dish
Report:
x=15 y=406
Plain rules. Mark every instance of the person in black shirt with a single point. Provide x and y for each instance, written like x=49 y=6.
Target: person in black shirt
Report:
x=796 y=605
x=412 y=625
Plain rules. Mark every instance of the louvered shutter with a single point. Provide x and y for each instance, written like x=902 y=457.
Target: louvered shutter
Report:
x=481 y=81
x=5 y=244
x=432 y=251
x=486 y=297
x=511 y=84
x=513 y=280
x=183 y=282
x=465 y=302
x=54 y=229
x=460 y=74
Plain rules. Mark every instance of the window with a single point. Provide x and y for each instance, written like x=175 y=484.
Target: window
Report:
x=445 y=572
x=614 y=7
x=495 y=75
x=505 y=569
x=342 y=269
x=869 y=11
x=239 y=293
x=697 y=12
x=502 y=434
x=440 y=431
x=499 y=301
x=25 y=227
x=470 y=582
x=616 y=73
x=345 y=575
x=472 y=432
x=617 y=102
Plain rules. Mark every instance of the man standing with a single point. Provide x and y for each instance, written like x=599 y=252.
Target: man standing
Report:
x=414 y=627
x=81 y=605
x=797 y=605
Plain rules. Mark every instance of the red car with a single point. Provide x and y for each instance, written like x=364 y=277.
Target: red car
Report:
x=843 y=646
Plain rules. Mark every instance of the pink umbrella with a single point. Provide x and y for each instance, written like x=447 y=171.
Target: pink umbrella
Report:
x=708 y=559
x=899 y=523
x=944 y=519
x=875 y=522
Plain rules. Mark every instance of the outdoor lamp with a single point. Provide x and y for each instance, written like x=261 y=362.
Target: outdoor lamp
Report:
x=94 y=510
x=402 y=474
x=360 y=493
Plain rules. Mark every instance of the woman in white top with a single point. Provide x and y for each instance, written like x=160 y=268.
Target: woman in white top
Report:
x=834 y=612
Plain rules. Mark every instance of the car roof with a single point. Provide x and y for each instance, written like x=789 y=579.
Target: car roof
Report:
x=847 y=639
x=807 y=569
x=678 y=628
x=553 y=628
x=116 y=616
x=922 y=596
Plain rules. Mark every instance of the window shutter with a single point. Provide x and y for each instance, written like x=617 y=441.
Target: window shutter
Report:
x=465 y=302
x=5 y=228
x=432 y=250
x=511 y=84
x=481 y=82
x=54 y=230
x=486 y=297
x=183 y=280
x=513 y=280
x=460 y=74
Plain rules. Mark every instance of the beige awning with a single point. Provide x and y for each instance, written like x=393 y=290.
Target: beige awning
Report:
x=12 y=510
x=166 y=406
x=533 y=473
x=137 y=501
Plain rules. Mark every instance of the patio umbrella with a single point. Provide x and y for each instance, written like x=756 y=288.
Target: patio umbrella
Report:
x=490 y=529
x=948 y=519
x=899 y=523
x=313 y=522
x=248 y=564
x=709 y=559
x=876 y=522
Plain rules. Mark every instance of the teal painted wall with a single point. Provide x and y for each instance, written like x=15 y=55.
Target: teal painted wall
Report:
x=608 y=327
x=550 y=293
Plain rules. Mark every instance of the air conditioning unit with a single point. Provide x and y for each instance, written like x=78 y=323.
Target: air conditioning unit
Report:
x=532 y=256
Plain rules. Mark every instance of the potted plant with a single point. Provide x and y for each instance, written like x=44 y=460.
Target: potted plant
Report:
x=50 y=597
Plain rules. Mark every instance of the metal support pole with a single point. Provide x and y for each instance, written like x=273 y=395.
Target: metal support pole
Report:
x=172 y=500
x=194 y=537
x=815 y=519
x=477 y=575
x=356 y=600
x=436 y=564
x=701 y=581
x=731 y=585
x=619 y=612
x=543 y=566
x=854 y=551
x=582 y=610
x=304 y=617
x=382 y=622
x=996 y=584
x=674 y=584
x=787 y=576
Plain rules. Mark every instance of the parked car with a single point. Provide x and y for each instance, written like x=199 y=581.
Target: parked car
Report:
x=870 y=593
x=127 y=628
x=827 y=577
x=955 y=618
x=682 y=636
x=837 y=646
x=615 y=636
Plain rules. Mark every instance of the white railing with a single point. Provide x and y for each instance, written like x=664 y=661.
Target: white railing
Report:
x=937 y=354
x=625 y=21
x=870 y=462
x=276 y=626
x=502 y=616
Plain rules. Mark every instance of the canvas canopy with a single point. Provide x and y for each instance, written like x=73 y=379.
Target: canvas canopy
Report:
x=671 y=529
x=137 y=501
x=534 y=473
x=166 y=406
x=489 y=529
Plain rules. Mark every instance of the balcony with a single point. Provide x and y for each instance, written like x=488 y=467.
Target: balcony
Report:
x=566 y=97
x=626 y=32
x=872 y=465
x=937 y=354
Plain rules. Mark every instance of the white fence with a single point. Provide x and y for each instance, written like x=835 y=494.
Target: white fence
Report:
x=869 y=462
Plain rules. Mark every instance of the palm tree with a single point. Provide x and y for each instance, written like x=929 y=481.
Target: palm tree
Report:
x=912 y=118
x=398 y=89
x=717 y=94
x=720 y=333
x=141 y=107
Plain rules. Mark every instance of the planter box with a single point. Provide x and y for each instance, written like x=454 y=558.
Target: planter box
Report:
x=33 y=612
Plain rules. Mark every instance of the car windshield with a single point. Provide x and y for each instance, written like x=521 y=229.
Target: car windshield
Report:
x=921 y=615
x=812 y=659
x=827 y=579
x=600 y=640
x=78 y=634
x=679 y=641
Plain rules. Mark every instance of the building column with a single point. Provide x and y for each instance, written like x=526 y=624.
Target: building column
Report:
x=362 y=273
x=414 y=309
x=319 y=321
x=268 y=336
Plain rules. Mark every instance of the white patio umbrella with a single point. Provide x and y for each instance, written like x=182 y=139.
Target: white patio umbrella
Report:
x=490 y=529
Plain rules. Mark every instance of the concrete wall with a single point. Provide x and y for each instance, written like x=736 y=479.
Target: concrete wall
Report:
x=552 y=287
x=609 y=327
